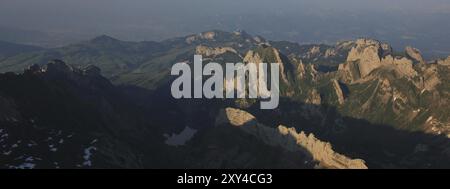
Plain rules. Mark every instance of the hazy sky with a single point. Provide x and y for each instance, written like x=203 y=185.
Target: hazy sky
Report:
x=91 y=15
x=298 y=20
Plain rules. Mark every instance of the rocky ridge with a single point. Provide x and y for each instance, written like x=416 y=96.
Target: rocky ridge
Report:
x=289 y=139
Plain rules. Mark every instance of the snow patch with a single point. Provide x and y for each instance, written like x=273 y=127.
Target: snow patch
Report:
x=87 y=155
x=4 y=135
x=32 y=143
x=94 y=141
x=52 y=148
x=181 y=138
x=25 y=165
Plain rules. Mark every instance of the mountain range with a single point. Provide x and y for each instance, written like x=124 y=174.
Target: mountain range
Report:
x=106 y=103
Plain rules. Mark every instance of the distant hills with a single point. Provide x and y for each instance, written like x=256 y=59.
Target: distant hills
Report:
x=8 y=49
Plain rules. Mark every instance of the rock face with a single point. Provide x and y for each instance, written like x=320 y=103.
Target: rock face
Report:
x=252 y=57
x=301 y=70
x=349 y=71
x=235 y=117
x=414 y=54
x=368 y=55
x=314 y=97
x=313 y=51
x=210 y=35
x=256 y=57
x=290 y=140
x=210 y=51
x=403 y=66
x=436 y=126
x=330 y=53
x=430 y=78
x=338 y=91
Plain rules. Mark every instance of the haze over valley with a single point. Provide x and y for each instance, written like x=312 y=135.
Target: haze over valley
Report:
x=50 y=23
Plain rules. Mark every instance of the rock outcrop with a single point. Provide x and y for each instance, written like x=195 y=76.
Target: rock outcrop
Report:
x=414 y=54
x=368 y=55
x=330 y=53
x=444 y=62
x=313 y=51
x=57 y=67
x=58 y=70
x=430 y=78
x=314 y=97
x=344 y=45
x=338 y=91
x=301 y=70
x=235 y=117
x=289 y=139
x=436 y=126
x=403 y=66
x=311 y=69
x=257 y=57
x=210 y=35
x=213 y=51
x=349 y=71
